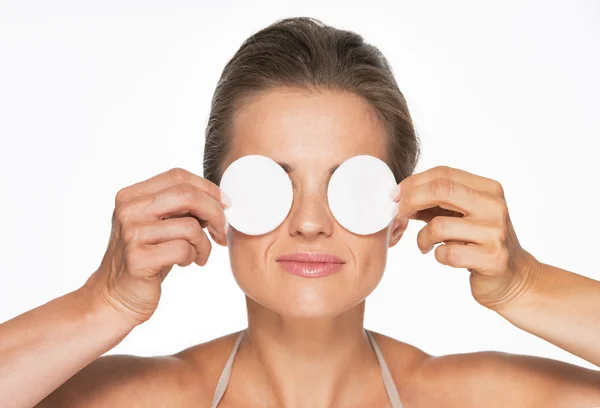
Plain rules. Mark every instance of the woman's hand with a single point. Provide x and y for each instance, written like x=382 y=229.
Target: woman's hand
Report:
x=156 y=224
x=468 y=214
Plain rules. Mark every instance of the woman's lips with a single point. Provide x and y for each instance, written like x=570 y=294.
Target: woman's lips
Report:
x=310 y=264
x=310 y=269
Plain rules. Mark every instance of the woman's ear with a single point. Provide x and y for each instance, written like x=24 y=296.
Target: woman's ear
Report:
x=397 y=229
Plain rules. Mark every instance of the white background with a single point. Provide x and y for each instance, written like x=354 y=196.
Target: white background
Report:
x=95 y=96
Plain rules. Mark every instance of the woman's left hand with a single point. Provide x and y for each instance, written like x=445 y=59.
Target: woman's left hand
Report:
x=468 y=214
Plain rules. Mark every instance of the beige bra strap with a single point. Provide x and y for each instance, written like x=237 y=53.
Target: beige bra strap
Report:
x=390 y=386
x=388 y=381
x=226 y=374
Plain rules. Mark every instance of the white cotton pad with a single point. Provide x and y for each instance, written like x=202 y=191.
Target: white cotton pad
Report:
x=261 y=194
x=358 y=194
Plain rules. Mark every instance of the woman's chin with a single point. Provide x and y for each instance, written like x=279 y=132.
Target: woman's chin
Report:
x=300 y=297
x=307 y=305
x=305 y=311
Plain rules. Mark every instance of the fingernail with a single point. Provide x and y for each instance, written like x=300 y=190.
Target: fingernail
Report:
x=225 y=199
x=394 y=193
x=215 y=233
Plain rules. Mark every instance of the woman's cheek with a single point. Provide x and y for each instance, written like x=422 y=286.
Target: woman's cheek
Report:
x=370 y=247
x=247 y=256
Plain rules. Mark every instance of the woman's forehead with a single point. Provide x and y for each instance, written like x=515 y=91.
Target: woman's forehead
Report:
x=302 y=128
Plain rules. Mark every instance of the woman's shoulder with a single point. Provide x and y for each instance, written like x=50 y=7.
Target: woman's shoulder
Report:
x=204 y=363
x=121 y=380
x=485 y=378
x=425 y=380
x=405 y=362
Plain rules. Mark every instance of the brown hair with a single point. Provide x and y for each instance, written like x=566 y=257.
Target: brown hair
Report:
x=304 y=53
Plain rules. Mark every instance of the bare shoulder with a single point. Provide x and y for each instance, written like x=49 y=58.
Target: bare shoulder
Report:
x=487 y=378
x=183 y=379
x=119 y=381
x=404 y=362
x=497 y=379
x=206 y=362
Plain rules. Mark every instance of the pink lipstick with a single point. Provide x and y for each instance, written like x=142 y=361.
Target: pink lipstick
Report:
x=310 y=264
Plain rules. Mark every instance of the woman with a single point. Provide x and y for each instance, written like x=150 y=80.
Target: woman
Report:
x=308 y=96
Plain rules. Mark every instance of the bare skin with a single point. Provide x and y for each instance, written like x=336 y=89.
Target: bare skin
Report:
x=304 y=334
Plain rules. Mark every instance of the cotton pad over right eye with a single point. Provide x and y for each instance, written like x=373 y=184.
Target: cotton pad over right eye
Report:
x=358 y=194
x=261 y=194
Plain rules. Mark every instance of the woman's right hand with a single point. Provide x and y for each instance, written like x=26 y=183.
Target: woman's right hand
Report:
x=156 y=224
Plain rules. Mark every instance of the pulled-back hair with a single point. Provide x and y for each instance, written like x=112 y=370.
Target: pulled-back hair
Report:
x=304 y=53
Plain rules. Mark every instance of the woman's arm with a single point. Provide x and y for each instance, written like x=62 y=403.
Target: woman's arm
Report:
x=562 y=308
x=42 y=348
x=151 y=232
x=468 y=215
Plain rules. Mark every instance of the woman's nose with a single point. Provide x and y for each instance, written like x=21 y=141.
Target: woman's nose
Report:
x=310 y=215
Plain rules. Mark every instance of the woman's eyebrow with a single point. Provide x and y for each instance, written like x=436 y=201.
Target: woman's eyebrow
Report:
x=288 y=168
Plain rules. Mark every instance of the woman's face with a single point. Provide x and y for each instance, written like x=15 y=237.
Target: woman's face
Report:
x=311 y=132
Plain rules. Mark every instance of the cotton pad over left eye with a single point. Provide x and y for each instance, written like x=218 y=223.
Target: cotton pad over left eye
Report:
x=261 y=194
x=358 y=194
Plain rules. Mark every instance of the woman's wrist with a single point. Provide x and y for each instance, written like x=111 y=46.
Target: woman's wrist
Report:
x=524 y=287
x=102 y=316
x=561 y=308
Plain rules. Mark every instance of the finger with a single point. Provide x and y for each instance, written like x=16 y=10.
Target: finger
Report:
x=202 y=223
x=450 y=229
x=475 y=258
x=168 y=179
x=164 y=272
x=174 y=202
x=450 y=195
x=476 y=182
x=151 y=260
x=186 y=228
x=430 y=213
x=219 y=239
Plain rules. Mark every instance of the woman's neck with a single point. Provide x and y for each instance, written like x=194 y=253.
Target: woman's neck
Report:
x=295 y=362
